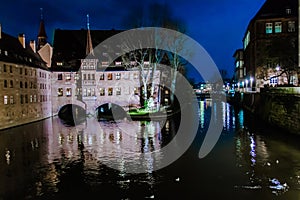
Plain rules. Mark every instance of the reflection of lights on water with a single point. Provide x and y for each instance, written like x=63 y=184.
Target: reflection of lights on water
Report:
x=277 y=187
x=241 y=118
x=201 y=114
x=7 y=156
x=252 y=150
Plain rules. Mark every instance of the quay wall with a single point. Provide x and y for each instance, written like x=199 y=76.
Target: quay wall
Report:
x=278 y=107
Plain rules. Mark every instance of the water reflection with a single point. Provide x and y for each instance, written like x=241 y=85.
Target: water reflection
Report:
x=50 y=160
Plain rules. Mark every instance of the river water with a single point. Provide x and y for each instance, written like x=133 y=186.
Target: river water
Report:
x=51 y=160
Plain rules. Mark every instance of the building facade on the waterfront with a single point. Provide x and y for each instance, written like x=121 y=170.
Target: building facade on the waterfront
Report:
x=25 y=83
x=270 y=46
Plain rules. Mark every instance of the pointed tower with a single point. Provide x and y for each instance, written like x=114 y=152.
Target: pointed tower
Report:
x=89 y=45
x=42 y=36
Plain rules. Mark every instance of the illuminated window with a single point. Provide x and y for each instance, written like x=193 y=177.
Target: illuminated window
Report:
x=68 y=77
x=60 y=92
x=102 y=91
x=34 y=98
x=68 y=92
x=110 y=91
x=59 y=77
x=288 y=11
x=101 y=76
x=109 y=76
x=118 y=91
x=291 y=26
x=118 y=63
x=5 y=99
x=84 y=92
x=136 y=91
x=31 y=99
x=269 y=28
x=118 y=76
x=273 y=80
x=278 y=27
x=89 y=93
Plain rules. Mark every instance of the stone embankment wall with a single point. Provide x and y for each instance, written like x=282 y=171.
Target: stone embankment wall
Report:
x=279 y=107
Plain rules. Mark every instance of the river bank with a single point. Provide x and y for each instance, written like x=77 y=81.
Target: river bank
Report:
x=279 y=107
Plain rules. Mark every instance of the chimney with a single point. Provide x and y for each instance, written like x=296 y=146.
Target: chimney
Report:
x=32 y=45
x=22 y=39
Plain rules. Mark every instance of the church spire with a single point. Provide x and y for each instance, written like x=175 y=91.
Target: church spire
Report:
x=89 y=45
x=42 y=36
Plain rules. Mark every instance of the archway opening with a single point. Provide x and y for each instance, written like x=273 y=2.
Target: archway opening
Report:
x=111 y=111
x=72 y=114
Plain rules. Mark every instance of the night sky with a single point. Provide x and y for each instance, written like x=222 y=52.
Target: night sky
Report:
x=218 y=25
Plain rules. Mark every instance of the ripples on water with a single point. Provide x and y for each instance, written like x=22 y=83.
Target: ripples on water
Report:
x=49 y=160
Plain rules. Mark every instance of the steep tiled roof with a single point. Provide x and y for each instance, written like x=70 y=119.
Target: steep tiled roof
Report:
x=69 y=46
x=11 y=50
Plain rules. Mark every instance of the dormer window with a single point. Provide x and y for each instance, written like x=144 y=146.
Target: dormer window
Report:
x=288 y=11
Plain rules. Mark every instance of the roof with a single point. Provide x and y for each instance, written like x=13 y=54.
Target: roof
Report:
x=12 y=51
x=277 y=8
x=42 y=31
x=69 y=46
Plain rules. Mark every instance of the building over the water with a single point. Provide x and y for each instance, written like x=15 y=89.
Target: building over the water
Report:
x=270 y=46
x=38 y=80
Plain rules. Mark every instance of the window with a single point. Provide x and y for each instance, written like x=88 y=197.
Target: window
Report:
x=21 y=70
x=34 y=98
x=31 y=98
x=109 y=76
x=101 y=76
x=269 y=28
x=60 y=92
x=21 y=84
x=11 y=100
x=118 y=76
x=5 y=83
x=21 y=98
x=5 y=99
x=288 y=11
x=118 y=91
x=102 y=91
x=291 y=26
x=110 y=91
x=26 y=72
x=93 y=92
x=247 y=40
x=93 y=77
x=136 y=91
x=135 y=75
x=25 y=84
x=69 y=92
x=84 y=76
x=59 y=77
x=89 y=77
x=10 y=69
x=4 y=68
x=273 y=80
x=26 y=98
x=84 y=92
x=278 y=27
x=11 y=84
x=89 y=92
x=68 y=77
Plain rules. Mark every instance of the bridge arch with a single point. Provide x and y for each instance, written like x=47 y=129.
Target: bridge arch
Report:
x=110 y=111
x=72 y=113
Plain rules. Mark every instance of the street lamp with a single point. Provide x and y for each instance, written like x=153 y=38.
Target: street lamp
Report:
x=247 y=83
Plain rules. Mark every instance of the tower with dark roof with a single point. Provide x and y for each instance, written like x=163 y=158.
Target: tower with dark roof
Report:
x=42 y=36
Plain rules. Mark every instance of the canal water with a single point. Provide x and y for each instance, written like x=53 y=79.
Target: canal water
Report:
x=52 y=160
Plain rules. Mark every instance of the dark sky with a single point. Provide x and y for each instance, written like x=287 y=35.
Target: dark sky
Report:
x=218 y=25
